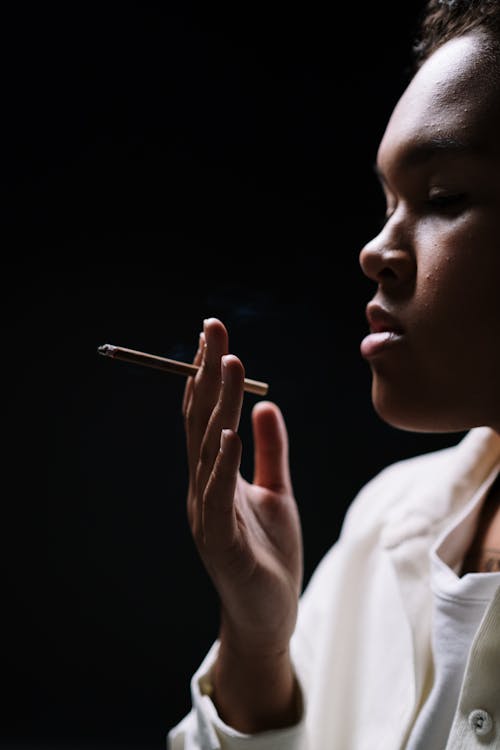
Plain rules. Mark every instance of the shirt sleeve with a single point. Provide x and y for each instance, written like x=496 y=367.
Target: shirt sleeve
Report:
x=203 y=729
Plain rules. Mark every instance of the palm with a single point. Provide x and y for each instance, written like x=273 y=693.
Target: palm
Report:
x=248 y=534
x=261 y=579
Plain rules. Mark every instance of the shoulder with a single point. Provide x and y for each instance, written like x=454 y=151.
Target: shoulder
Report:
x=426 y=484
x=413 y=497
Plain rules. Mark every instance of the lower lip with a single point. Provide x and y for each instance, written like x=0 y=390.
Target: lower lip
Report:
x=376 y=343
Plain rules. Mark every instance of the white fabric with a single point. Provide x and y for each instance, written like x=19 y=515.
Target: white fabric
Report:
x=458 y=607
x=362 y=645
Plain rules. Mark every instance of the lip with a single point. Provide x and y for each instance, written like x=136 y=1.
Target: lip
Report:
x=385 y=331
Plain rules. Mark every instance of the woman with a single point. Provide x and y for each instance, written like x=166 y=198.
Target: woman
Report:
x=394 y=643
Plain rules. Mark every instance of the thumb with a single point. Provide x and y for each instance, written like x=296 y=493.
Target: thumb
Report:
x=271 y=467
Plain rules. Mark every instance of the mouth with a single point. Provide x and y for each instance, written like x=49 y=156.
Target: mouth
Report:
x=385 y=331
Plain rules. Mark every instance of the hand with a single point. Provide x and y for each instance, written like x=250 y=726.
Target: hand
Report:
x=248 y=535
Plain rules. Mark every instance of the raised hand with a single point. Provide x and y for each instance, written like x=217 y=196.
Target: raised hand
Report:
x=248 y=535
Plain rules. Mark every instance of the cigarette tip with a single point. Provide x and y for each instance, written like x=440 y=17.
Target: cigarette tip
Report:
x=106 y=350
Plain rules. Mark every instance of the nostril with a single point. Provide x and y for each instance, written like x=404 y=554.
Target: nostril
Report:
x=374 y=266
x=386 y=274
x=386 y=265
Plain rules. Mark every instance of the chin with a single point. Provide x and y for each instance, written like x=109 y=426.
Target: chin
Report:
x=413 y=413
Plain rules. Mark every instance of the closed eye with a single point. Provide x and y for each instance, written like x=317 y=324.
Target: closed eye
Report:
x=440 y=203
x=444 y=203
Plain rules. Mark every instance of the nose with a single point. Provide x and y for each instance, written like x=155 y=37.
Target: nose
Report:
x=387 y=259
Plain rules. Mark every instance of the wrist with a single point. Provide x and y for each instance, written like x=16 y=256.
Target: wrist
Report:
x=255 y=690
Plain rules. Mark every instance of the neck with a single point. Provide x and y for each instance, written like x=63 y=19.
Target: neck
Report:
x=483 y=555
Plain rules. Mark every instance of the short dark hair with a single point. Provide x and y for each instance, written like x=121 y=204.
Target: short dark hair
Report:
x=442 y=20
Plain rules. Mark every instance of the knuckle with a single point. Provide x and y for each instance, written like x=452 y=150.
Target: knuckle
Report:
x=189 y=414
x=221 y=473
x=205 y=454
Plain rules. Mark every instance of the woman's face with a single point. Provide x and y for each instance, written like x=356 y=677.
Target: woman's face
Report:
x=434 y=351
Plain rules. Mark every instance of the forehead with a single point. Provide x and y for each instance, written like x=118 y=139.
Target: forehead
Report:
x=454 y=100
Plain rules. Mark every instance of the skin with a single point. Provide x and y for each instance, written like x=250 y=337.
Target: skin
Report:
x=437 y=259
x=436 y=264
x=248 y=536
x=484 y=553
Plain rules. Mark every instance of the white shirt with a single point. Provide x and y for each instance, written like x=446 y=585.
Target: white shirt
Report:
x=459 y=604
x=362 y=647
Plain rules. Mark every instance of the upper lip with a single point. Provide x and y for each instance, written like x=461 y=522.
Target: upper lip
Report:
x=380 y=320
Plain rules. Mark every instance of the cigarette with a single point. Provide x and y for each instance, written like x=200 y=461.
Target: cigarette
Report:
x=169 y=365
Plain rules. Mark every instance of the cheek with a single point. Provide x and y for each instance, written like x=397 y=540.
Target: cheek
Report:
x=458 y=274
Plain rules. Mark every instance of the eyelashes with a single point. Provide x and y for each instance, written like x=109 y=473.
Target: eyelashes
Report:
x=440 y=204
x=443 y=202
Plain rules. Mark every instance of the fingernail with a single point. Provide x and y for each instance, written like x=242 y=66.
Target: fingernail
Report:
x=224 y=437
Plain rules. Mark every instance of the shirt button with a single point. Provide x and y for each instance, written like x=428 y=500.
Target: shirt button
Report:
x=480 y=722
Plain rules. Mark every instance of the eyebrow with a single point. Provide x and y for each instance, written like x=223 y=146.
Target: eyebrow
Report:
x=419 y=153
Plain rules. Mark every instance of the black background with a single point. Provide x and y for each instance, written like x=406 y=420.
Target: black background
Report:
x=163 y=162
